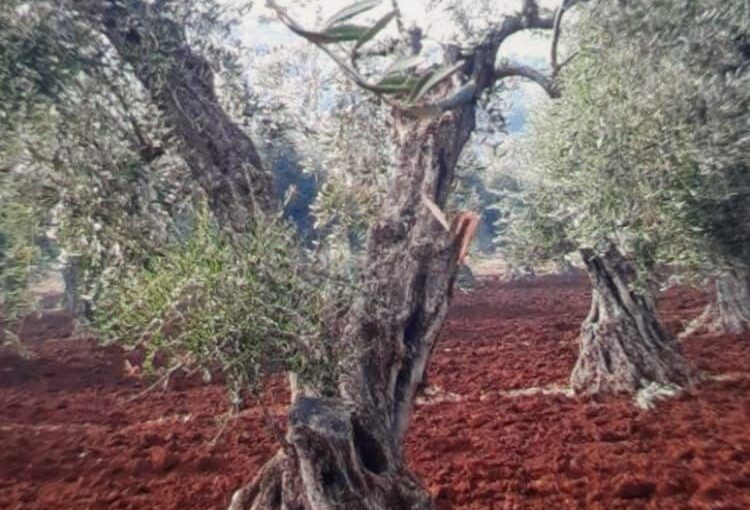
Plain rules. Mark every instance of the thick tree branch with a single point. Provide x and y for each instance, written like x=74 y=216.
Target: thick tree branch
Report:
x=530 y=17
x=511 y=69
x=484 y=55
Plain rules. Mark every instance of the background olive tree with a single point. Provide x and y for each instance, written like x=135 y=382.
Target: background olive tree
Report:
x=645 y=155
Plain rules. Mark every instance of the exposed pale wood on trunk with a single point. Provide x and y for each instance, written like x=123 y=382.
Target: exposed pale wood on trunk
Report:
x=347 y=451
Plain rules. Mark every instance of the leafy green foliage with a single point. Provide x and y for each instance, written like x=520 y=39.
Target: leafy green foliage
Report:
x=351 y=11
x=353 y=158
x=373 y=31
x=20 y=258
x=90 y=150
x=397 y=79
x=244 y=303
x=95 y=164
x=477 y=188
x=342 y=136
x=36 y=58
x=430 y=80
x=648 y=146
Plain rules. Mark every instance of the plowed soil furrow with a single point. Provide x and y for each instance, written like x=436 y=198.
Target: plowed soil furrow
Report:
x=73 y=436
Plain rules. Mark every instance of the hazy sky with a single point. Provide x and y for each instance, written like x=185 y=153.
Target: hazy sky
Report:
x=435 y=21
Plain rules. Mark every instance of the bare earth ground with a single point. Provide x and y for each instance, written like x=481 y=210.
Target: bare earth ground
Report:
x=72 y=435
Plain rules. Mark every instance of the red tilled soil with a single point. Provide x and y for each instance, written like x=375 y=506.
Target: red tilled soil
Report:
x=74 y=435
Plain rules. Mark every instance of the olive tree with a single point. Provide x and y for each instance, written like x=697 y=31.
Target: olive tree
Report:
x=683 y=122
x=640 y=165
x=346 y=450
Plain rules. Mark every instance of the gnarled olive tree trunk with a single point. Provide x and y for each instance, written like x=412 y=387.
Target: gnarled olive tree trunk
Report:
x=623 y=346
x=346 y=452
x=222 y=158
x=733 y=300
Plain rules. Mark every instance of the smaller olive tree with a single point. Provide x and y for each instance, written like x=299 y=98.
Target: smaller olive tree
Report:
x=639 y=166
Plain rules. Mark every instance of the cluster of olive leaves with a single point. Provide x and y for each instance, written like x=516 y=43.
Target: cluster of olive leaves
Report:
x=648 y=145
x=402 y=78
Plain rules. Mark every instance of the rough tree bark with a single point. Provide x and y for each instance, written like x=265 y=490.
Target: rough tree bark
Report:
x=733 y=300
x=346 y=452
x=72 y=301
x=221 y=156
x=623 y=346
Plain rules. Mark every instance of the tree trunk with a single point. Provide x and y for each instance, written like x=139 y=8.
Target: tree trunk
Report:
x=733 y=300
x=220 y=155
x=346 y=452
x=623 y=346
x=73 y=302
x=71 y=293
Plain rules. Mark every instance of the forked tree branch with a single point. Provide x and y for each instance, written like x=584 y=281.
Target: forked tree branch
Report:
x=531 y=16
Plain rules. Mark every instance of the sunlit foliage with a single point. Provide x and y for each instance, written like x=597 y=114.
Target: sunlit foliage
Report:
x=648 y=146
x=246 y=304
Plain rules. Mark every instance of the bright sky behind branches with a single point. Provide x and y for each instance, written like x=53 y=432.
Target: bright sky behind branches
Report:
x=435 y=17
x=435 y=20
